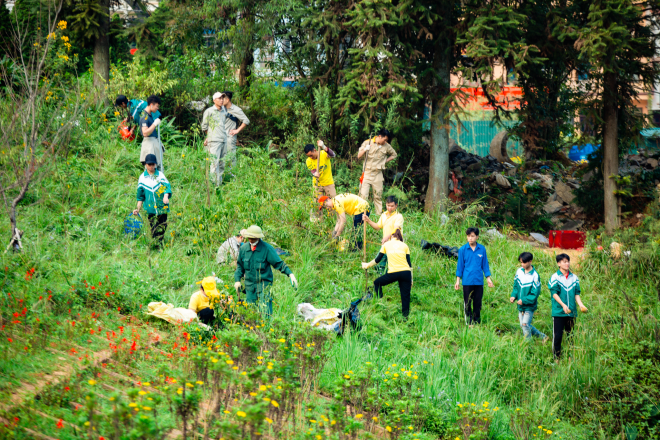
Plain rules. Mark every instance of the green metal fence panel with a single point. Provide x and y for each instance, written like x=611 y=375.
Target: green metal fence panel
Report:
x=475 y=137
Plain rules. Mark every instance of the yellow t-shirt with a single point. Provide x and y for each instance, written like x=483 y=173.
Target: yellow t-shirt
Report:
x=390 y=223
x=350 y=204
x=396 y=252
x=326 y=170
x=199 y=301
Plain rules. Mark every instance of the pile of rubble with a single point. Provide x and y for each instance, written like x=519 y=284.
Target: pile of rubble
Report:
x=644 y=160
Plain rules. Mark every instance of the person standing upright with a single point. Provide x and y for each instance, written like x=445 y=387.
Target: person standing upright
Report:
x=377 y=152
x=154 y=192
x=389 y=222
x=151 y=143
x=235 y=122
x=213 y=124
x=318 y=163
x=471 y=267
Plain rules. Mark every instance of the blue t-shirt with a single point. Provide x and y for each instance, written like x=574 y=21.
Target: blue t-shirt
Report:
x=472 y=265
x=146 y=121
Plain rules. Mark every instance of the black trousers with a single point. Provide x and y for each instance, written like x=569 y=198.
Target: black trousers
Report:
x=357 y=222
x=158 y=226
x=560 y=325
x=404 y=278
x=472 y=297
x=206 y=316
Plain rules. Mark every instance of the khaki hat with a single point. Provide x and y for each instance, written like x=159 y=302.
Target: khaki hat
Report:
x=209 y=286
x=217 y=95
x=253 y=231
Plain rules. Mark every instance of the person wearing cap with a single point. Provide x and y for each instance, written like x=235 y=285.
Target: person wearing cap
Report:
x=154 y=192
x=377 y=152
x=399 y=269
x=344 y=204
x=202 y=301
x=151 y=143
x=230 y=248
x=235 y=122
x=255 y=259
x=213 y=124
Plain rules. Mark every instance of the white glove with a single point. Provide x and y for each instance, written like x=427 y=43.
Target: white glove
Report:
x=366 y=266
x=156 y=122
x=237 y=285
x=367 y=147
x=294 y=281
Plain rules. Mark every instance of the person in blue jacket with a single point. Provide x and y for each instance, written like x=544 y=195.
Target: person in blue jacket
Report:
x=472 y=266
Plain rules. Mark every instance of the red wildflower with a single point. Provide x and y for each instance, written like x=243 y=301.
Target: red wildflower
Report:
x=93 y=287
x=67 y=389
x=41 y=297
x=60 y=425
x=119 y=309
x=25 y=348
x=10 y=340
x=91 y=332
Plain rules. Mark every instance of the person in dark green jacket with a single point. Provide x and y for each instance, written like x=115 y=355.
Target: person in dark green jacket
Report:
x=255 y=259
x=526 y=291
x=565 y=290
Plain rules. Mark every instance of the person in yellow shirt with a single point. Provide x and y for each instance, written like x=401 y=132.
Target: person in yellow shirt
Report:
x=376 y=152
x=322 y=181
x=344 y=204
x=201 y=302
x=399 y=269
x=389 y=222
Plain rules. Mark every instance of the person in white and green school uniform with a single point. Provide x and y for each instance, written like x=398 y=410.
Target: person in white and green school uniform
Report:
x=153 y=193
x=564 y=286
x=526 y=291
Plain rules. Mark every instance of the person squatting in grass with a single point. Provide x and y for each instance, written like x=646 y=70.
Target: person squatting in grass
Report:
x=322 y=180
x=201 y=302
x=526 y=291
x=154 y=192
x=346 y=204
x=399 y=269
x=254 y=263
x=149 y=125
x=213 y=124
x=389 y=222
x=378 y=152
x=230 y=248
x=235 y=122
x=471 y=267
x=564 y=287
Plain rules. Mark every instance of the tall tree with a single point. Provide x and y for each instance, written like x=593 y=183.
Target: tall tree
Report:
x=619 y=43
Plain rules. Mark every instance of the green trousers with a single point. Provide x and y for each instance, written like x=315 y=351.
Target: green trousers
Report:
x=263 y=300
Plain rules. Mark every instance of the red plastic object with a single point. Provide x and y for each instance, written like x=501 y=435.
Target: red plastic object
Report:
x=133 y=51
x=567 y=239
x=126 y=134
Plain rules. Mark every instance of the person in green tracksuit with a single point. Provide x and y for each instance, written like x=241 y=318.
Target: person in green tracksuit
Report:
x=255 y=259
x=565 y=290
x=526 y=291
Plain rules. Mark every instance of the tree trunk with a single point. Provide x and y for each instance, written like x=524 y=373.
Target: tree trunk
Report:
x=436 y=195
x=610 y=151
x=102 y=48
x=245 y=69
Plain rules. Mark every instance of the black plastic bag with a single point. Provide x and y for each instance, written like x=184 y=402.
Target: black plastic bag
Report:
x=447 y=251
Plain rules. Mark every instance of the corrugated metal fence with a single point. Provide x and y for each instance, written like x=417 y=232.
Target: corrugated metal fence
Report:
x=475 y=137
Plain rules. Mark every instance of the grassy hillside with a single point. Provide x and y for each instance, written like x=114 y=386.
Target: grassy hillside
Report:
x=607 y=386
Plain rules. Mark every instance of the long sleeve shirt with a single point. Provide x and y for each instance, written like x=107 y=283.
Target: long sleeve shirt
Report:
x=255 y=266
x=326 y=168
x=527 y=287
x=213 y=122
x=377 y=155
x=472 y=265
x=151 y=191
x=237 y=113
x=232 y=247
x=567 y=288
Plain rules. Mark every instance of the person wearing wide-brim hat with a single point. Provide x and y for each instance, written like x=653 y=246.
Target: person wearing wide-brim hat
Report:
x=255 y=259
x=201 y=302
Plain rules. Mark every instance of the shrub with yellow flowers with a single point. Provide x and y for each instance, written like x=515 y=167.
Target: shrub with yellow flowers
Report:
x=528 y=425
x=474 y=420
